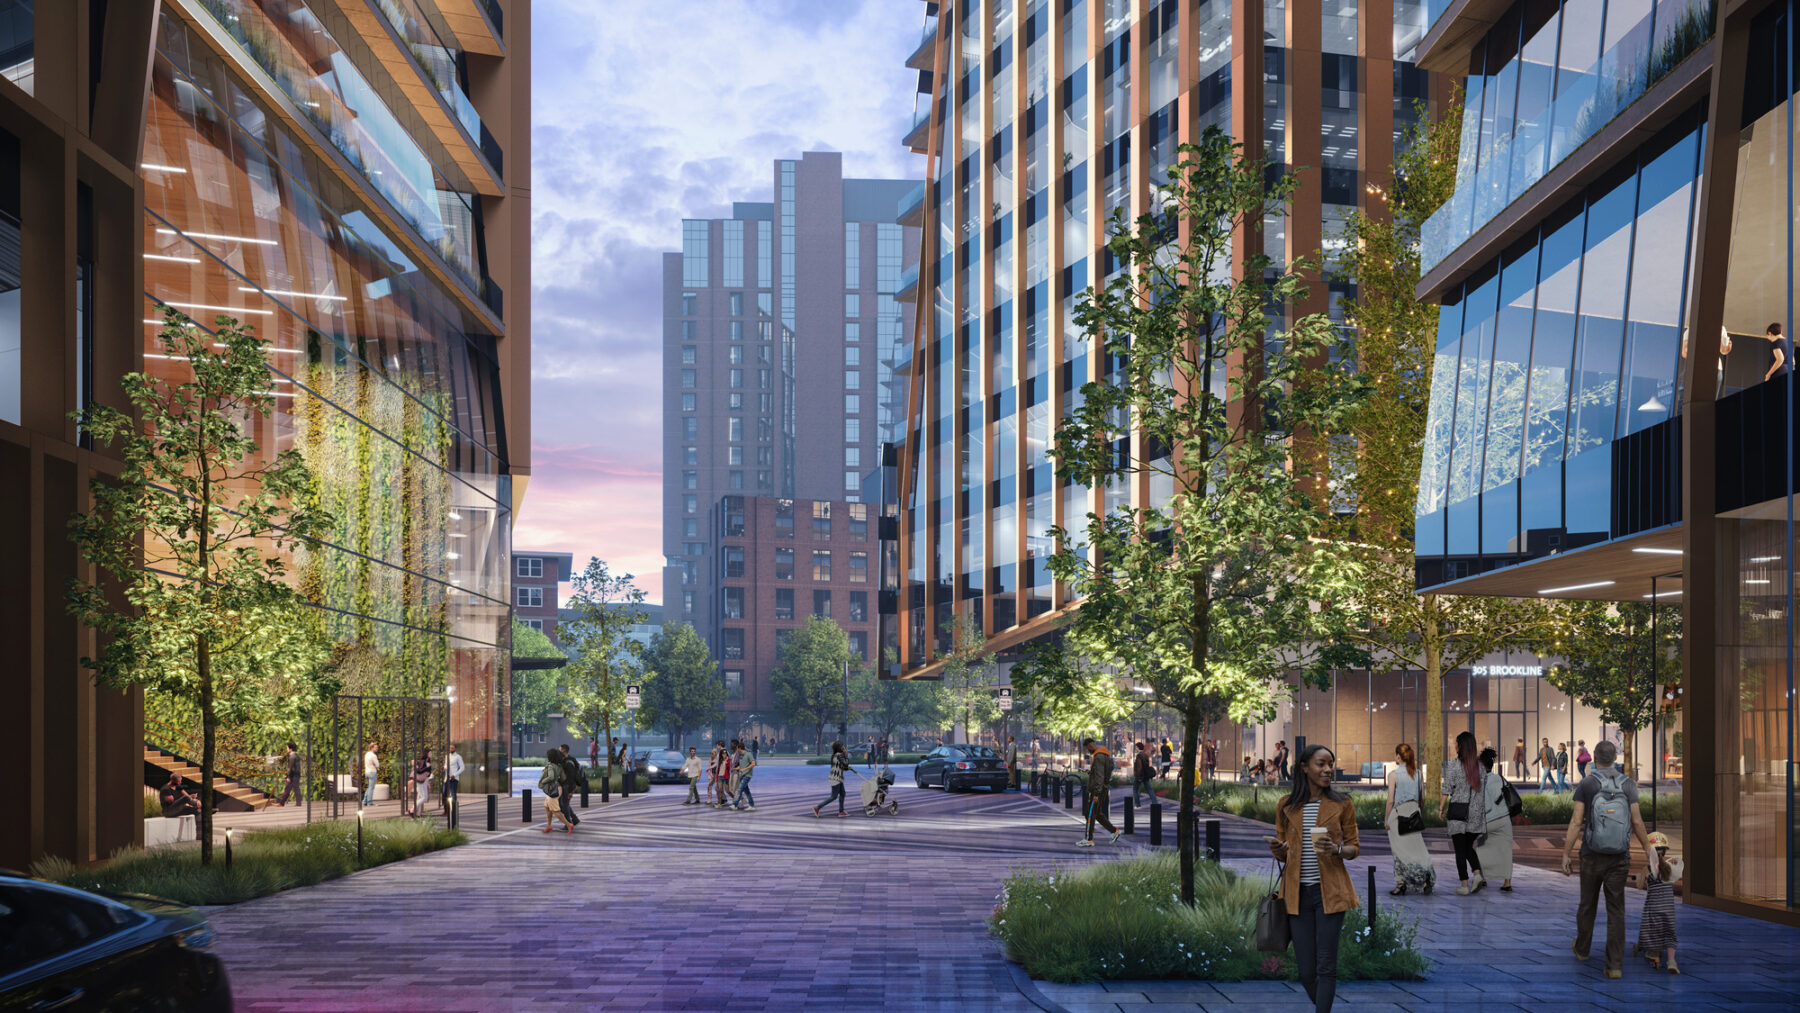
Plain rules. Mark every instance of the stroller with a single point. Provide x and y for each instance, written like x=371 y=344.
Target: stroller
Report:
x=875 y=794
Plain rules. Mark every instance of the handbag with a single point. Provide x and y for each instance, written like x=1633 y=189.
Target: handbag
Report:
x=1510 y=797
x=552 y=791
x=1457 y=811
x=1272 y=930
x=1410 y=823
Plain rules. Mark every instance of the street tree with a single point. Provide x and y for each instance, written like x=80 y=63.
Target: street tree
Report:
x=969 y=679
x=894 y=704
x=684 y=691
x=809 y=677
x=191 y=543
x=1617 y=658
x=535 y=695
x=603 y=607
x=1210 y=593
x=1396 y=352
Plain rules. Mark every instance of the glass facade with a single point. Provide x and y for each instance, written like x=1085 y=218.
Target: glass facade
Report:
x=383 y=385
x=1546 y=356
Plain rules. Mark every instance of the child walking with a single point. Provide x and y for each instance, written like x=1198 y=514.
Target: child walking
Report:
x=1656 y=929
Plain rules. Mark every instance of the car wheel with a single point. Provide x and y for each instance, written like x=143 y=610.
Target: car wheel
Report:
x=918 y=780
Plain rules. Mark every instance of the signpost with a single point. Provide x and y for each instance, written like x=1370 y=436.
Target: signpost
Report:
x=633 y=697
x=1006 y=698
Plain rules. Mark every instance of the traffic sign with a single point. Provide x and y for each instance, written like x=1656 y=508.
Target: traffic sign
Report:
x=633 y=697
x=1006 y=698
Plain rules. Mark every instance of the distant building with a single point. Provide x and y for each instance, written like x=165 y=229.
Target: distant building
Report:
x=780 y=562
x=535 y=593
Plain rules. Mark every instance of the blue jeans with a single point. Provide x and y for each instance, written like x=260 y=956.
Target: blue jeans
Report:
x=837 y=792
x=1546 y=778
x=1562 y=783
x=369 y=793
x=743 y=793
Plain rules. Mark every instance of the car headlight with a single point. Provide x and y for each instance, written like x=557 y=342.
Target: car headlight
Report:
x=653 y=768
x=200 y=938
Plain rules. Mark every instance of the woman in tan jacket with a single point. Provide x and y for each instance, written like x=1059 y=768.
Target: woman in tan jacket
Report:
x=1315 y=829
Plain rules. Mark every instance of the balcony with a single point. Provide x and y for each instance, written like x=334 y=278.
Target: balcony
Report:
x=909 y=282
x=1502 y=169
x=423 y=66
x=911 y=209
x=920 y=131
x=478 y=25
x=925 y=54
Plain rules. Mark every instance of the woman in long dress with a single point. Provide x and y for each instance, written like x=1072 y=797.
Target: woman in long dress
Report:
x=1412 y=863
x=1495 y=849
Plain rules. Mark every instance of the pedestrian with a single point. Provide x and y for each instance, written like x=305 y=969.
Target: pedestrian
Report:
x=1244 y=769
x=712 y=772
x=574 y=780
x=1519 y=759
x=1141 y=772
x=1317 y=824
x=1562 y=766
x=756 y=747
x=371 y=770
x=615 y=754
x=550 y=783
x=1779 y=362
x=1546 y=766
x=421 y=781
x=1406 y=802
x=1281 y=759
x=840 y=762
x=1012 y=763
x=1099 y=792
x=1582 y=759
x=293 y=776
x=1495 y=845
x=453 y=769
x=742 y=799
x=1210 y=758
x=593 y=751
x=1463 y=816
x=1656 y=929
x=692 y=768
x=1606 y=819
x=721 y=782
x=1168 y=756
x=737 y=766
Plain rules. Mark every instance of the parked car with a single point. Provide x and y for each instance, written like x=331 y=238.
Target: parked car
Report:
x=663 y=766
x=68 y=949
x=958 y=768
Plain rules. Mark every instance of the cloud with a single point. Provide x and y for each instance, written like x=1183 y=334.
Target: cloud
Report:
x=642 y=115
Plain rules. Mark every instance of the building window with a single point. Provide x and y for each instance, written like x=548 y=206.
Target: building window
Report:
x=734 y=402
x=690 y=480
x=690 y=504
x=694 y=235
x=690 y=455
x=736 y=430
x=734 y=455
x=734 y=642
x=530 y=566
x=852 y=481
x=859 y=568
x=784 y=564
x=784 y=603
x=852 y=457
x=690 y=303
x=859 y=607
x=821 y=520
x=732 y=604
x=852 y=255
x=690 y=402
x=852 y=379
x=859 y=520
x=689 y=378
x=735 y=330
x=762 y=480
x=765 y=456
x=529 y=597
x=852 y=305
x=784 y=518
x=737 y=355
x=734 y=684
x=737 y=300
x=821 y=564
x=763 y=378
x=690 y=429
x=765 y=355
x=765 y=430
x=781 y=641
x=852 y=403
x=852 y=355
x=737 y=379
x=853 y=430
x=687 y=602
x=690 y=355
x=859 y=645
x=822 y=604
x=736 y=479
x=852 y=332
x=690 y=527
x=732 y=256
x=536 y=624
x=733 y=516
x=690 y=573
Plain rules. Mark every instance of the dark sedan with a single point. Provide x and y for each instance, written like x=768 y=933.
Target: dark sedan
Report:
x=663 y=766
x=66 y=949
x=958 y=768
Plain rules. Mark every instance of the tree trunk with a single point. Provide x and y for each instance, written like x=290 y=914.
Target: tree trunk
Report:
x=1184 y=825
x=208 y=722
x=1434 y=691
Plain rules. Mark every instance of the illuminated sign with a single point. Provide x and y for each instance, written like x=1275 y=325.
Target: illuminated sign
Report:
x=1535 y=671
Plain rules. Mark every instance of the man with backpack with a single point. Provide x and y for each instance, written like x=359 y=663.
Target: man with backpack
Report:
x=1141 y=772
x=1606 y=819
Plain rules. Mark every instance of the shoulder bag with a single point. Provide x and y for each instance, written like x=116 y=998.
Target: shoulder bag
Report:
x=1509 y=797
x=1272 y=931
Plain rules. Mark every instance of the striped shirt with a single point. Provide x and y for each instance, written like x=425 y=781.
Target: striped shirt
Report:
x=1309 y=860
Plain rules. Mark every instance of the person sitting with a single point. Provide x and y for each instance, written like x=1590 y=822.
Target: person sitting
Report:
x=176 y=800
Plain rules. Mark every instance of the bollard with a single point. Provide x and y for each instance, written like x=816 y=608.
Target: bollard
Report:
x=584 y=799
x=493 y=812
x=1130 y=821
x=1068 y=796
x=1212 y=839
x=1033 y=789
x=525 y=810
x=625 y=784
x=1056 y=787
x=1155 y=823
x=606 y=788
x=1371 y=896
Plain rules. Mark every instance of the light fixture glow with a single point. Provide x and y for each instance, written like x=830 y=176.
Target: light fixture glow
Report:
x=1659 y=552
x=1662 y=594
x=220 y=236
x=1764 y=559
x=153 y=167
x=296 y=295
x=1578 y=587
x=172 y=259
x=219 y=309
x=1755 y=581
x=1653 y=405
x=452 y=555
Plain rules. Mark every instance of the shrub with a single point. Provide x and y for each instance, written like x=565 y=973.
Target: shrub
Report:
x=264 y=862
x=152 y=806
x=1124 y=920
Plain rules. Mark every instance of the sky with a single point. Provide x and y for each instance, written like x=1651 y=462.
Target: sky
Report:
x=644 y=114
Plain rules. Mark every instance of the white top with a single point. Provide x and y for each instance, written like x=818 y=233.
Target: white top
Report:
x=1309 y=860
x=371 y=765
x=456 y=765
x=693 y=766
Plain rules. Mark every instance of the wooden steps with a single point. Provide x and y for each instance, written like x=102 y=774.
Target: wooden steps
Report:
x=228 y=795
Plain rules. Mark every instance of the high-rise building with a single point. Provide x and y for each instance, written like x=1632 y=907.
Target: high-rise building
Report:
x=351 y=177
x=779 y=325
x=1044 y=118
x=1611 y=405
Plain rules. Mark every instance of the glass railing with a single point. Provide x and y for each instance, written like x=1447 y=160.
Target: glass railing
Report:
x=307 y=64
x=1585 y=101
x=921 y=114
x=435 y=56
x=911 y=202
x=908 y=279
x=927 y=36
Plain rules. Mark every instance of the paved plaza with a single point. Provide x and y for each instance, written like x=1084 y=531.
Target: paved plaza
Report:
x=652 y=905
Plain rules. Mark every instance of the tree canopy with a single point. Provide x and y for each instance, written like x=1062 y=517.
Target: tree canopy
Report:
x=684 y=691
x=603 y=607
x=809 y=677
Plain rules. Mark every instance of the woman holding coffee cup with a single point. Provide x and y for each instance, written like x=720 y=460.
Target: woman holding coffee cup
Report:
x=1315 y=829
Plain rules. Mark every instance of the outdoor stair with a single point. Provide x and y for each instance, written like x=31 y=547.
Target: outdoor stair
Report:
x=228 y=795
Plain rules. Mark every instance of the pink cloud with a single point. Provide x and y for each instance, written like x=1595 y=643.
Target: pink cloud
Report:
x=583 y=499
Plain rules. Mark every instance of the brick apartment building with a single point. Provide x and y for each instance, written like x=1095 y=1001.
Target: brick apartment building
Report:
x=781 y=561
x=535 y=594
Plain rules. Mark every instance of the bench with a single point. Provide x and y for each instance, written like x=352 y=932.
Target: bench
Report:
x=164 y=830
x=344 y=785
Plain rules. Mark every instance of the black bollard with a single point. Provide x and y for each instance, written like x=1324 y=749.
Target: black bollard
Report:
x=1371 y=896
x=1212 y=839
x=606 y=788
x=584 y=791
x=625 y=784
x=1068 y=796
x=1055 y=790
x=1155 y=823
x=525 y=810
x=1130 y=816
x=493 y=812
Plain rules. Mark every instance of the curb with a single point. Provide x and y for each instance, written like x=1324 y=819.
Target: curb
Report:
x=1028 y=988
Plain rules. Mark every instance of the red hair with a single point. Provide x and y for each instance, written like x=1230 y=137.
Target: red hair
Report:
x=1408 y=757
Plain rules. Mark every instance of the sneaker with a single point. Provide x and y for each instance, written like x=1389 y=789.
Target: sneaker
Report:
x=1613 y=972
x=1084 y=843
x=1480 y=881
x=749 y=808
x=842 y=814
x=815 y=812
x=1115 y=838
x=1464 y=891
x=1574 y=948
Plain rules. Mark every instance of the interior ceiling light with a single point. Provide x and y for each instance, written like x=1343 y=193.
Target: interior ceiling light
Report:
x=297 y=295
x=1755 y=580
x=1577 y=587
x=221 y=309
x=1653 y=405
x=219 y=236
x=1662 y=594
x=1764 y=559
x=177 y=260
x=1659 y=552
x=153 y=167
